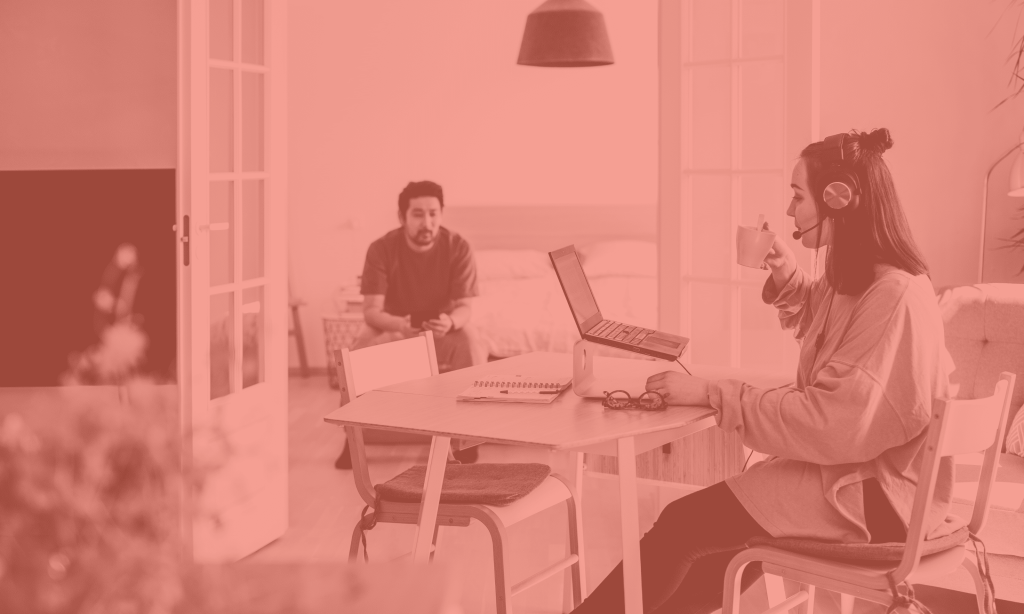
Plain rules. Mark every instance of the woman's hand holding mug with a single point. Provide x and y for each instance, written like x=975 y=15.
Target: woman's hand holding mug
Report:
x=781 y=260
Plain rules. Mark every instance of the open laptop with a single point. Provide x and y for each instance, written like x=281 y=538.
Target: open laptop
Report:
x=593 y=327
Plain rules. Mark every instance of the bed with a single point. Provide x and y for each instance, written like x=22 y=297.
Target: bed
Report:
x=521 y=307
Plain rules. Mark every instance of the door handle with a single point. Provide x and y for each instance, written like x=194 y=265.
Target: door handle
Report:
x=184 y=240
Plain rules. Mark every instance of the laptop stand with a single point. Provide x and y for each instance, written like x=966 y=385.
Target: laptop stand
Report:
x=593 y=381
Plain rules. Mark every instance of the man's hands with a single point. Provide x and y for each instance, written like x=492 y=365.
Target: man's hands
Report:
x=405 y=327
x=679 y=388
x=439 y=326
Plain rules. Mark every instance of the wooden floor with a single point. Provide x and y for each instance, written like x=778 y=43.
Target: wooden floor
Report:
x=324 y=507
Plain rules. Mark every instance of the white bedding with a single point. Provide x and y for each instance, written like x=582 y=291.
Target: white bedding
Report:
x=522 y=309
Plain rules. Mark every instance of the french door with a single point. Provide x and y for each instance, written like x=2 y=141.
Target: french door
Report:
x=233 y=274
x=745 y=103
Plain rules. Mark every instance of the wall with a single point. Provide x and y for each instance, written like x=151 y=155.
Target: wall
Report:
x=385 y=93
x=931 y=72
x=87 y=100
x=381 y=96
x=88 y=84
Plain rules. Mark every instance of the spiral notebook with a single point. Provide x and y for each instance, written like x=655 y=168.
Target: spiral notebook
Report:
x=516 y=389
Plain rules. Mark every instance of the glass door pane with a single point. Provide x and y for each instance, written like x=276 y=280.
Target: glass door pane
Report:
x=222 y=345
x=762 y=86
x=252 y=121
x=222 y=30
x=712 y=234
x=253 y=245
x=222 y=239
x=252 y=31
x=760 y=334
x=711 y=30
x=712 y=323
x=712 y=104
x=253 y=339
x=762 y=27
x=222 y=118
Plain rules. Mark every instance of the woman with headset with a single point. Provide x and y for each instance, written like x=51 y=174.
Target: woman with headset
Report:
x=846 y=440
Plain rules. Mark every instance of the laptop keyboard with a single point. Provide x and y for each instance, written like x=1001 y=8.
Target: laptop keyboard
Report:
x=617 y=331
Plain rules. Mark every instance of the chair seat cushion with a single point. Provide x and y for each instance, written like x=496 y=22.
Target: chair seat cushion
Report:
x=859 y=552
x=481 y=483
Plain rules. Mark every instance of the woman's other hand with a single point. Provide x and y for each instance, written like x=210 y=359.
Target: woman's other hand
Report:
x=781 y=260
x=679 y=388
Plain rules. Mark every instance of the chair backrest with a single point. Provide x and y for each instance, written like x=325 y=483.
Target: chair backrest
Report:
x=382 y=365
x=958 y=426
x=984 y=333
x=377 y=366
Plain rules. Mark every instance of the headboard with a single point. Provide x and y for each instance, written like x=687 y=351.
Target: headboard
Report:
x=548 y=227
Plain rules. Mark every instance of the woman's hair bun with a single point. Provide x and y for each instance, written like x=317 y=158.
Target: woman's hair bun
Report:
x=877 y=141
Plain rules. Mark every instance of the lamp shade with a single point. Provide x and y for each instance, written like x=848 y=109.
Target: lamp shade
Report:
x=565 y=33
x=1017 y=176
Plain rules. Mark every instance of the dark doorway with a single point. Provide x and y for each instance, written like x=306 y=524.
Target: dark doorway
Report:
x=60 y=229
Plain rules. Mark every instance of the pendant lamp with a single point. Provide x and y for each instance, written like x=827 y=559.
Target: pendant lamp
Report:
x=565 y=33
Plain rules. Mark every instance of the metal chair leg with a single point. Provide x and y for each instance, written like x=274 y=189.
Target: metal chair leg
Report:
x=807 y=607
x=732 y=587
x=979 y=583
x=353 y=548
x=502 y=588
x=776 y=589
x=576 y=568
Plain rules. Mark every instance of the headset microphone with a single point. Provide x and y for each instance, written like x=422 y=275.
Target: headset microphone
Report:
x=799 y=233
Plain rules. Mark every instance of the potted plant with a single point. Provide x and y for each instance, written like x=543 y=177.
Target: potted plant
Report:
x=90 y=483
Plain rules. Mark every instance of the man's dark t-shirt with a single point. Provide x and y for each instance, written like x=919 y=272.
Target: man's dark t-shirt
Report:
x=419 y=282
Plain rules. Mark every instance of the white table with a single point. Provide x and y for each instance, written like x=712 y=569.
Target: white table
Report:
x=428 y=406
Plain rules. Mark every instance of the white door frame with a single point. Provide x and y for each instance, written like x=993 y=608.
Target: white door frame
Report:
x=254 y=419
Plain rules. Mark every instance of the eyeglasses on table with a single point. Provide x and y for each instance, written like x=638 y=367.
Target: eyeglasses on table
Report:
x=620 y=399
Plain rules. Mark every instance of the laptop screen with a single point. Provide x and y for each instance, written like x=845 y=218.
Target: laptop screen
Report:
x=574 y=283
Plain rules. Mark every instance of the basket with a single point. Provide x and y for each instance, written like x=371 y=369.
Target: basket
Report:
x=340 y=331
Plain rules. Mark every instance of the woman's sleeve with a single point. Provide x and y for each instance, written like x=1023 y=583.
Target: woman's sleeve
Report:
x=795 y=301
x=869 y=397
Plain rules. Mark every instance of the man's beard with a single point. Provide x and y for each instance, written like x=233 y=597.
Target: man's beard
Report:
x=424 y=237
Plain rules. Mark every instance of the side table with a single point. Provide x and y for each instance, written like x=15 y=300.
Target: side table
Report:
x=340 y=331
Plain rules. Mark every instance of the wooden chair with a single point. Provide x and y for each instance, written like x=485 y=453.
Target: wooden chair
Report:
x=957 y=427
x=382 y=365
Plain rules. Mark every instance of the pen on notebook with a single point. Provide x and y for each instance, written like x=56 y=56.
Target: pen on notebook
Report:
x=529 y=392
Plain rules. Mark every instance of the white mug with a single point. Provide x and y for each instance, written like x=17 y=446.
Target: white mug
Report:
x=752 y=245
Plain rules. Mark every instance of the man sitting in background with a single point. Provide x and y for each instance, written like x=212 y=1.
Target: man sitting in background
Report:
x=421 y=276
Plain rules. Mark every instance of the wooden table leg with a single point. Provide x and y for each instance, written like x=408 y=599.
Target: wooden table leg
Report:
x=431 y=497
x=628 y=504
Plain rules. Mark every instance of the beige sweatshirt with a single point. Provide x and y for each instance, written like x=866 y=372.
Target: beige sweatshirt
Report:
x=858 y=409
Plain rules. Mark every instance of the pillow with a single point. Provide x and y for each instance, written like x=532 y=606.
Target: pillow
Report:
x=511 y=264
x=628 y=258
x=1015 y=436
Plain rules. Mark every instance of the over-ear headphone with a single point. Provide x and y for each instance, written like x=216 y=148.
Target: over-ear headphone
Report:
x=841 y=191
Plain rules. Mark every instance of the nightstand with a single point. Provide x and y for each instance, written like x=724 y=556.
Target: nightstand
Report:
x=340 y=331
